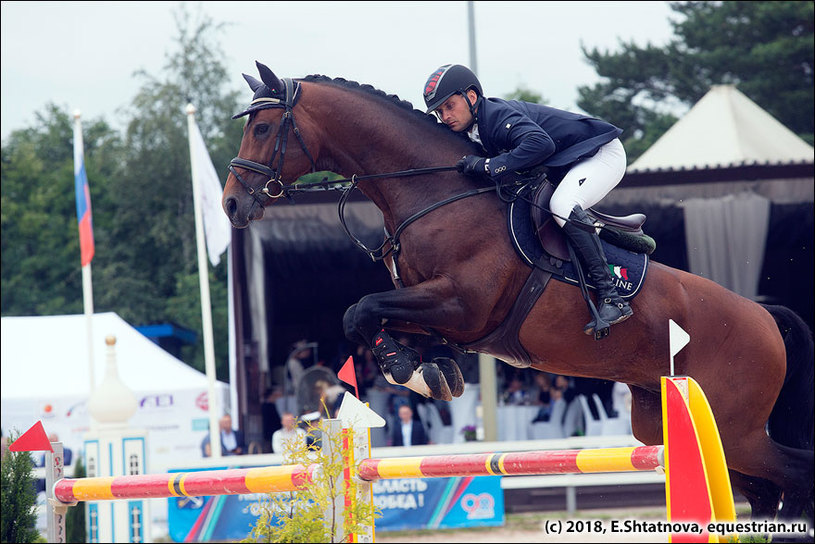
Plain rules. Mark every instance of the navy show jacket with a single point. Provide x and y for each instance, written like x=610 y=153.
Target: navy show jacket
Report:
x=520 y=135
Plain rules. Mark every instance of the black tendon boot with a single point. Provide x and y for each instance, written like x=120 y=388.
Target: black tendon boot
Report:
x=613 y=309
x=440 y=378
x=395 y=360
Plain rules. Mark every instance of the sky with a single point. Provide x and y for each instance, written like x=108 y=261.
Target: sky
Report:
x=83 y=55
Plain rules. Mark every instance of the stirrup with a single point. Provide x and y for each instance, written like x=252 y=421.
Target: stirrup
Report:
x=606 y=321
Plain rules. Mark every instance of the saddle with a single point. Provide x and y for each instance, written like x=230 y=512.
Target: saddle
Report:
x=541 y=244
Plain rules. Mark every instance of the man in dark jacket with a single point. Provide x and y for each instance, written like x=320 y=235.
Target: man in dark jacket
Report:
x=408 y=430
x=516 y=136
x=232 y=441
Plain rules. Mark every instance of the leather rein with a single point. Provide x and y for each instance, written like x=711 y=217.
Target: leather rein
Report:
x=346 y=185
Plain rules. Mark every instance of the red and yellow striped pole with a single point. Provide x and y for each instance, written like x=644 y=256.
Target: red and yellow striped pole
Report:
x=191 y=484
x=640 y=458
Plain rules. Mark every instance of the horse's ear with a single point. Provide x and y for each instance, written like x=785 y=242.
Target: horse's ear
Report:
x=268 y=77
x=254 y=84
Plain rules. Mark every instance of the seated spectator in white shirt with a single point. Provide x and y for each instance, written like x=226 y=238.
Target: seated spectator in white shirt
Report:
x=288 y=433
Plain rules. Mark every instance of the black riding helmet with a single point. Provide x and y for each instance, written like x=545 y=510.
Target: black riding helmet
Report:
x=448 y=80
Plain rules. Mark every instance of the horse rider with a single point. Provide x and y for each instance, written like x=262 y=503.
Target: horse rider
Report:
x=516 y=136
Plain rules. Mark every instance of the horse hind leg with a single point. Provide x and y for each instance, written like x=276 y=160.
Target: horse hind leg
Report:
x=646 y=415
x=789 y=469
x=763 y=495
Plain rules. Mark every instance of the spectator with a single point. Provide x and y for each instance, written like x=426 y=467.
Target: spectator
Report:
x=314 y=436
x=566 y=387
x=543 y=397
x=289 y=433
x=409 y=431
x=232 y=441
x=270 y=415
x=301 y=357
x=516 y=393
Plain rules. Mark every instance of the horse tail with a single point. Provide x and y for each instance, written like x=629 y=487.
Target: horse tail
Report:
x=792 y=420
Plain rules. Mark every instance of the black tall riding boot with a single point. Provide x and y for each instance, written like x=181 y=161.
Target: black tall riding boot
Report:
x=613 y=309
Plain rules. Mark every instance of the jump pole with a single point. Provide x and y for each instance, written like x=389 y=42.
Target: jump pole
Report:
x=697 y=487
x=236 y=481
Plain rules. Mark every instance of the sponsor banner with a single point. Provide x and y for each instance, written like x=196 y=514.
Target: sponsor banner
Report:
x=405 y=504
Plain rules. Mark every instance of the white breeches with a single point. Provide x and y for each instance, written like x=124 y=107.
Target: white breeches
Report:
x=589 y=181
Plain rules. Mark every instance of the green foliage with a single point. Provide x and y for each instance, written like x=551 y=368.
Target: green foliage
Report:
x=75 y=518
x=41 y=272
x=146 y=266
x=308 y=515
x=525 y=95
x=18 y=497
x=764 y=48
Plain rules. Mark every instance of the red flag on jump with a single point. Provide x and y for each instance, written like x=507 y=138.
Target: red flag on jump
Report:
x=34 y=439
x=349 y=375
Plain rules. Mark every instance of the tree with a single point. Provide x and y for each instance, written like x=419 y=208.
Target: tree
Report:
x=41 y=272
x=158 y=266
x=525 y=95
x=75 y=530
x=146 y=266
x=18 y=497
x=764 y=48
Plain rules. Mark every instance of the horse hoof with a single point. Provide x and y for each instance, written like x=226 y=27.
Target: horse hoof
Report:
x=436 y=381
x=452 y=374
x=401 y=372
x=416 y=382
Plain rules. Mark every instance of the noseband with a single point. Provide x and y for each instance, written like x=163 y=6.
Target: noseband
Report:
x=292 y=93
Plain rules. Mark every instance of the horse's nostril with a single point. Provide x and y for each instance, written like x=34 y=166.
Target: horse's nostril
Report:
x=231 y=206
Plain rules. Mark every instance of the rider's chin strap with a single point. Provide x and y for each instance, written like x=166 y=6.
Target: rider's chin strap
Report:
x=473 y=110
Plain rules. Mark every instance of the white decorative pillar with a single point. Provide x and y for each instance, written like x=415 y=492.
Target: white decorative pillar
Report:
x=114 y=449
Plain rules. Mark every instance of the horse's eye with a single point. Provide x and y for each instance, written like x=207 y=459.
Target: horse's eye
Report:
x=261 y=129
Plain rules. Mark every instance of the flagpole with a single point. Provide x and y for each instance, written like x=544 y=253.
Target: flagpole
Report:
x=206 y=305
x=87 y=287
x=233 y=363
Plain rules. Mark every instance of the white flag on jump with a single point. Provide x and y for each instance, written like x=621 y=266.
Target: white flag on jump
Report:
x=217 y=229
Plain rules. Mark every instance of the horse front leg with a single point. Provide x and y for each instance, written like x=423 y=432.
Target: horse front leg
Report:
x=430 y=304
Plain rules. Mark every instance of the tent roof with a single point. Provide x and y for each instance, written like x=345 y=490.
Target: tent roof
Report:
x=46 y=356
x=725 y=128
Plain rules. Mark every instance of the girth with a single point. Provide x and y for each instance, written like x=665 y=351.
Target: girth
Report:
x=504 y=342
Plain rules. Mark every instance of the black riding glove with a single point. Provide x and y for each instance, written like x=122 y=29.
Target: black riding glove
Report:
x=473 y=165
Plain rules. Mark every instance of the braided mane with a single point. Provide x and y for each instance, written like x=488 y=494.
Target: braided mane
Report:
x=392 y=98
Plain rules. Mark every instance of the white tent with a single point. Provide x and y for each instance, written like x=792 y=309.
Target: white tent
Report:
x=726 y=224
x=45 y=376
x=724 y=128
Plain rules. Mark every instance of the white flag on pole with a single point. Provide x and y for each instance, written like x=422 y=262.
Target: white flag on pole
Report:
x=217 y=229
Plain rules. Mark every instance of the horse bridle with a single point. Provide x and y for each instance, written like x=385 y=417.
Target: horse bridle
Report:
x=290 y=96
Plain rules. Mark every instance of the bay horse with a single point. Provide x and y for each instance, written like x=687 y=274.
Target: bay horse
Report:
x=457 y=274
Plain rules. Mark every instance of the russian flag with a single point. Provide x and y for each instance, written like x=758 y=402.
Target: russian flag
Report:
x=83 y=196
